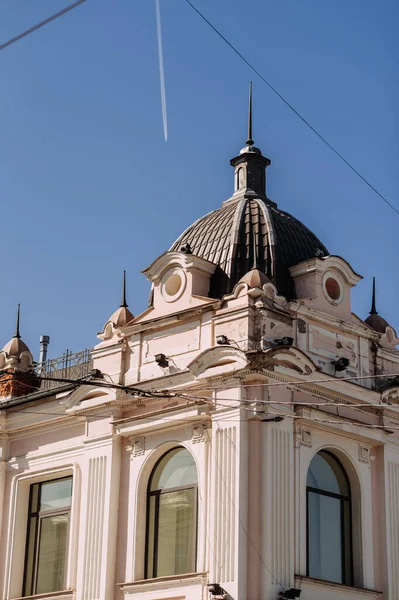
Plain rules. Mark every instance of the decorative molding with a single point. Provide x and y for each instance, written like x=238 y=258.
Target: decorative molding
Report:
x=198 y=435
x=29 y=429
x=231 y=359
x=281 y=356
x=136 y=447
x=305 y=438
x=364 y=454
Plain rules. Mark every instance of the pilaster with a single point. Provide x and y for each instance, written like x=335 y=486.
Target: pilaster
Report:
x=392 y=522
x=98 y=526
x=278 y=505
x=229 y=517
x=3 y=464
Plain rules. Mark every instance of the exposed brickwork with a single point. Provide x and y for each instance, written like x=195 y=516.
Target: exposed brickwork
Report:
x=15 y=383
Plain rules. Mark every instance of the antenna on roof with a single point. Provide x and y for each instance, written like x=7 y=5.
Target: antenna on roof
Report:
x=250 y=141
x=373 y=310
x=17 y=334
x=124 y=303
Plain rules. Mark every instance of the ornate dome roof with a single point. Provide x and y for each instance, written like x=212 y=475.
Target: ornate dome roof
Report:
x=247 y=233
x=15 y=347
x=376 y=322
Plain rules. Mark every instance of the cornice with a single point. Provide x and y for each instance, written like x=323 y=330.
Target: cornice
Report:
x=167 y=320
x=333 y=321
x=307 y=415
x=55 y=423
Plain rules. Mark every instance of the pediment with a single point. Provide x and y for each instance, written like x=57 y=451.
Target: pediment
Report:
x=88 y=396
x=285 y=357
x=217 y=360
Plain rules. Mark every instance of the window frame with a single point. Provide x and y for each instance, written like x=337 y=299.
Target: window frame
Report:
x=342 y=498
x=39 y=515
x=157 y=494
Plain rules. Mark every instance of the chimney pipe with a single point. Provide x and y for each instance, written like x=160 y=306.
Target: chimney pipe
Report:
x=44 y=342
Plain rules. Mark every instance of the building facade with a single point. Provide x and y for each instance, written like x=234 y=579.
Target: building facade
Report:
x=239 y=439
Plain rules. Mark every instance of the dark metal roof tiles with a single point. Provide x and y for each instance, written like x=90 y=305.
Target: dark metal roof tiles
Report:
x=250 y=233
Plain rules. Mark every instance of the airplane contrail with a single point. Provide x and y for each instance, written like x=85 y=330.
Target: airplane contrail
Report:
x=161 y=72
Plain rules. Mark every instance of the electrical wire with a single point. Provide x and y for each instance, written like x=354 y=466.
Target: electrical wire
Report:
x=41 y=24
x=227 y=418
x=280 y=383
x=291 y=403
x=192 y=395
x=238 y=403
x=291 y=107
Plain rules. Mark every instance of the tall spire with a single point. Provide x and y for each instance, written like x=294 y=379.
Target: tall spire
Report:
x=250 y=165
x=250 y=141
x=124 y=303
x=373 y=310
x=17 y=334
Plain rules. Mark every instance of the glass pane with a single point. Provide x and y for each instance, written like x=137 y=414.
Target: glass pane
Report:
x=175 y=469
x=348 y=577
x=30 y=554
x=150 y=537
x=34 y=497
x=177 y=532
x=324 y=538
x=52 y=554
x=325 y=473
x=56 y=494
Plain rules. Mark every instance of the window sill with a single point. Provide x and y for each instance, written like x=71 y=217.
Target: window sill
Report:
x=62 y=595
x=188 y=580
x=315 y=588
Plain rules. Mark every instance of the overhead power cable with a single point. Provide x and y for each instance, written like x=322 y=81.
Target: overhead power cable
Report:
x=305 y=382
x=238 y=405
x=191 y=394
x=291 y=107
x=41 y=24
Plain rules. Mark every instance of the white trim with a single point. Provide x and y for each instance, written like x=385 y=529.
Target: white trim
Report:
x=338 y=279
x=164 y=282
x=16 y=534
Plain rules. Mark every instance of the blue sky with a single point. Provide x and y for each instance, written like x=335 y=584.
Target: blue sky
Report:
x=89 y=187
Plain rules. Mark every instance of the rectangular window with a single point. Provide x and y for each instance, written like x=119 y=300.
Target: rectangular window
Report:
x=47 y=536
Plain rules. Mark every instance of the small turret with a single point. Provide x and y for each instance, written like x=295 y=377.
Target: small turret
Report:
x=121 y=317
x=17 y=375
x=374 y=320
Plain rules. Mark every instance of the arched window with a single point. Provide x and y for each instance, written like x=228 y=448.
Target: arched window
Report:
x=171 y=535
x=329 y=529
x=240 y=178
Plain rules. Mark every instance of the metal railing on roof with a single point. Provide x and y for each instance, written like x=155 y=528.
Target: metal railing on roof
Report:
x=68 y=366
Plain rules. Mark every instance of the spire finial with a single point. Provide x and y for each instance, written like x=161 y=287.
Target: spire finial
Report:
x=124 y=303
x=250 y=141
x=17 y=334
x=373 y=310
